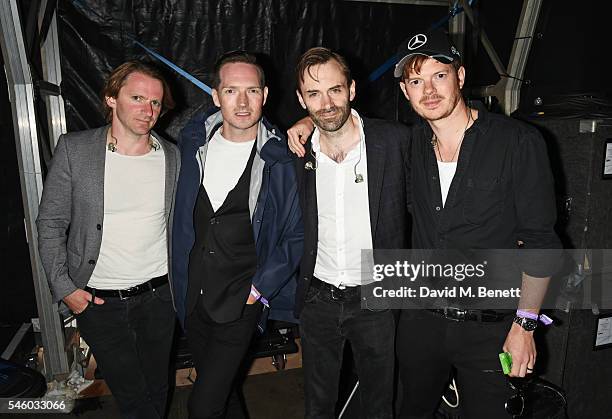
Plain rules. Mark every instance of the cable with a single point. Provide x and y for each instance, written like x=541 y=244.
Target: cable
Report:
x=452 y=386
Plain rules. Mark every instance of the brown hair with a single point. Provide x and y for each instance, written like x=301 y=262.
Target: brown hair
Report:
x=237 y=56
x=317 y=56
x=117 y=78
x=415 y=63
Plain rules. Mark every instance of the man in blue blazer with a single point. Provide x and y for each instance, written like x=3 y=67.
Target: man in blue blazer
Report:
x=103 y=225
x=237 y=232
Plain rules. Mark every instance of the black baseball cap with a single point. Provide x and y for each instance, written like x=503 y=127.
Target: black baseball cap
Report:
x=434 y=44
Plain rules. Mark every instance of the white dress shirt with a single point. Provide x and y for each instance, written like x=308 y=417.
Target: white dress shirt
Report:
x=343 y=214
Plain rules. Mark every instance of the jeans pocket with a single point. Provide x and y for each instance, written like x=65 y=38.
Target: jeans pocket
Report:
x=163 y=293
x=377 y=305
x=311 y=294
x=87 y=308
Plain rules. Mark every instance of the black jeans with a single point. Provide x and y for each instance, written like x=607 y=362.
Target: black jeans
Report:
x=131 y=341
x=429 y=346
x=325 y=326
x=218 y=351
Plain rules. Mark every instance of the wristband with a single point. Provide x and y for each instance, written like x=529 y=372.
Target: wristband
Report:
x=258 y=296
x=529 y=315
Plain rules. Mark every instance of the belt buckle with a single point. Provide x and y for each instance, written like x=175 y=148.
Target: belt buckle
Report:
x=335 y=293
x=127 y=291
x=454 y=314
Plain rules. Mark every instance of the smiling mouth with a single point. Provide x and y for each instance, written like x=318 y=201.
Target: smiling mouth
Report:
x=328 y=113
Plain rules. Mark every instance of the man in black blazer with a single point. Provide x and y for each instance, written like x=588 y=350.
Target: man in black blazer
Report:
x=352 y=181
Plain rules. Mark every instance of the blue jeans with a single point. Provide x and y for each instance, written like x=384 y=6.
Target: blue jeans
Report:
x=325 y=326
x=131 y=341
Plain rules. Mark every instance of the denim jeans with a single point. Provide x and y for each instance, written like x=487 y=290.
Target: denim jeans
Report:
x=131 y=341
x=218 y=351
x=429 y=346
x=325 y=326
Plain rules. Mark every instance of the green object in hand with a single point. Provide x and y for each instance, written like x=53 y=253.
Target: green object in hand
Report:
x=506 y=362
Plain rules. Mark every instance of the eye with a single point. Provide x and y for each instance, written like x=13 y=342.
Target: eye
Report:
x=441 y=75
x=312 y=94
x=137 y=98
x=228 y=91
x=255 y=91
x=336 y=90
x=414 y=82
x=156 y=103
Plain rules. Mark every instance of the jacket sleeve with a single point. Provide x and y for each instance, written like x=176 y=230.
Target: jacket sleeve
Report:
x=282 y=264
x=53 y=222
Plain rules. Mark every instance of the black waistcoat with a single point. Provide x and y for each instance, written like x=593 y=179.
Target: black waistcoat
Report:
x=223 y=259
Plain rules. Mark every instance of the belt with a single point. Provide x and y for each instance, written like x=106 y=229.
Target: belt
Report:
x=127 y=293
x=461 y=315
x=335 y=293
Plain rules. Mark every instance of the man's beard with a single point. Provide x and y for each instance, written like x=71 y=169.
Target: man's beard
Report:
x=333 y=124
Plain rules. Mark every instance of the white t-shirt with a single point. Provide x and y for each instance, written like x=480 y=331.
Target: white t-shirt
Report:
x=133 y=246
x=447 y=173
x=225 y=163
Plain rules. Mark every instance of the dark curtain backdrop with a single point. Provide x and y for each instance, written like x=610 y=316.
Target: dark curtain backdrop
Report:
x=96 y=35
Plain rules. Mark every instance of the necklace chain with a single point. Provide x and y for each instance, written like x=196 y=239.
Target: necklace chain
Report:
x=436 y=144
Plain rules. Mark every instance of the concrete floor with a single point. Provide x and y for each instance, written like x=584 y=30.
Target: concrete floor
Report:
x=276 y=395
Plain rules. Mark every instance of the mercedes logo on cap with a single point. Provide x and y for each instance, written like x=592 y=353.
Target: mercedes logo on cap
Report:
x=417 y=41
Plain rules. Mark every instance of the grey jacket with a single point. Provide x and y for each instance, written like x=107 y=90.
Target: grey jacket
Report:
x=71 y=213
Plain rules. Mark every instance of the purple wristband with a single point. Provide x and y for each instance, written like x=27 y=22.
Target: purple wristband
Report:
x=258 y=296
x=527 y=314
x=545 y=319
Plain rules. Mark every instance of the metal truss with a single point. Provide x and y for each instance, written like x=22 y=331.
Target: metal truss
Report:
x=507 y=90
x=22 y=96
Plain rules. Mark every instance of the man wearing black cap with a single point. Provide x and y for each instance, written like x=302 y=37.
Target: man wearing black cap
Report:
x=478 y=181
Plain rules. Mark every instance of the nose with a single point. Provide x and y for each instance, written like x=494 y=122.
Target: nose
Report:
x=243 y=99
x=327 y=102
x=429 y=87
x=148 y=108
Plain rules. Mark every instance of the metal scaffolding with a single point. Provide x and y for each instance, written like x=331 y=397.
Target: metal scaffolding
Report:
x=22 y=96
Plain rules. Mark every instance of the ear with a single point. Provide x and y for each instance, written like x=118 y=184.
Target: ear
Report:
x=461 y=76
x=352 y=91
x=215 y=96
x=300 y=99
x=403 y=87
x=111 y=102
x=265 y=95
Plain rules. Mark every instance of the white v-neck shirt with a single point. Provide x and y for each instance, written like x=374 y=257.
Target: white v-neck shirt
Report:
x=446 y=170
x=225 y=163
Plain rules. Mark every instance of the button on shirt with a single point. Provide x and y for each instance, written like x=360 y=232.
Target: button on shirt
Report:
x=343 y=214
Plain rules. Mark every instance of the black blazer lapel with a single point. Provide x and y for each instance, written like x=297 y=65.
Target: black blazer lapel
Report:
x=309 y=198
x=376 y=167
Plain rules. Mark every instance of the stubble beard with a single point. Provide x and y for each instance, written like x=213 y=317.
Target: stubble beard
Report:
x=331 y=125
x=435 y=115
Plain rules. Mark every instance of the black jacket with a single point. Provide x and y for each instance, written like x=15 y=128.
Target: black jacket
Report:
x=387 y=148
